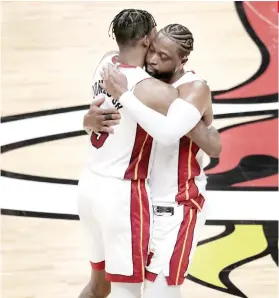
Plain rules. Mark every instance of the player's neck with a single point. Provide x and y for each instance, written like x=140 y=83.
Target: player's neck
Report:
x=176 y=76
x=131 y=57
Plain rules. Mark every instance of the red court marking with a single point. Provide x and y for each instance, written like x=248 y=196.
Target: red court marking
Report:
x=266 y=83
x=260 y=138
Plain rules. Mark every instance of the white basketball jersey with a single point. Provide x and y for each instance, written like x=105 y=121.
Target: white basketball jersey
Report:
x=127 y=153
x=177 y=172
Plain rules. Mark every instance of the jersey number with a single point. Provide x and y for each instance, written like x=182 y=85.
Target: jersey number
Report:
x=98 y=139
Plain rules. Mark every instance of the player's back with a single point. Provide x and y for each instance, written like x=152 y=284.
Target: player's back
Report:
x=126 y=154
x=177 y=172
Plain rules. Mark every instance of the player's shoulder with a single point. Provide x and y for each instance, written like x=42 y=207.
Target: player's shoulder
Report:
x=194 y=82
x=109 y=57
x=110 y=54
x=190 y=76
x=198 y=89
x=198 y=85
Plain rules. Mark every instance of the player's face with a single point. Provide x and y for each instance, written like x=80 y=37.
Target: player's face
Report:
x=162 y=59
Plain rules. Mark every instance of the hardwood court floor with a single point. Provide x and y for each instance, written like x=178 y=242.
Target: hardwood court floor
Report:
x=45 y=258
x=49 y=52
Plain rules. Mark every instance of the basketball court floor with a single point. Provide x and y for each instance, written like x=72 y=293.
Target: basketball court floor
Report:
x=49 y=52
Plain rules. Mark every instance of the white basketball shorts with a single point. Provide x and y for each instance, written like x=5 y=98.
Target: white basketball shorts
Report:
x=115 y=215
x=173 y=242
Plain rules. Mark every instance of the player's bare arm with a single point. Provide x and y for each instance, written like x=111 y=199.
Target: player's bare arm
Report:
x=156 y=94
x=151 y=92
x=195 y=93
x=198 y=94
x=208 y=139
x=165 y=130
x=207 y=117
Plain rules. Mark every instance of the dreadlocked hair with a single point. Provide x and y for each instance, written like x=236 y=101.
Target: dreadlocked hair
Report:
x=182 y=36
x=131 y=25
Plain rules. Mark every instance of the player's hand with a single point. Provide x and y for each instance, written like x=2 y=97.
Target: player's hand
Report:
x=114 y=81
x=99 y=119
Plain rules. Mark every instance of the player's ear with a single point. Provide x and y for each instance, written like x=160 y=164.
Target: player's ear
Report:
x=184 y=59
x=146 y=41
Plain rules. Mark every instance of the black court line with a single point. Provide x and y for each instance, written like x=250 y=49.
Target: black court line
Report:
x=18 y=117
x=214 y=161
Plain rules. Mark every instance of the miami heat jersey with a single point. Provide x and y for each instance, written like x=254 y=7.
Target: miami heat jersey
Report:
x=126 y=154
x=177 y=173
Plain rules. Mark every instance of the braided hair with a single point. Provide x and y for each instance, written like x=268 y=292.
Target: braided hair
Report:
x=130 y=25
x=182 y=36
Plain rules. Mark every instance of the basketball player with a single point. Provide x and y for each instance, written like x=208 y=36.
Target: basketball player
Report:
x=153 y=84
x=113 y=199
x=177 y=180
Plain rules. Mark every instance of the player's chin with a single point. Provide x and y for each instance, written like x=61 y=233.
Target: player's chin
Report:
x=151 y=71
